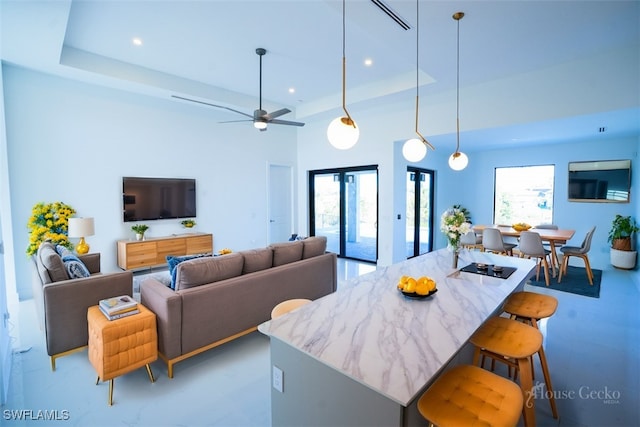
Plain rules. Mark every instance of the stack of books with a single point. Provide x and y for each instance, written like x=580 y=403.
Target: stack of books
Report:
x=117 y=307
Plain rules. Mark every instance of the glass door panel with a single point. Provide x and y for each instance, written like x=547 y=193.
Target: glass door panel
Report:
x=419 y=214
x=327 y=209
x=344 y=208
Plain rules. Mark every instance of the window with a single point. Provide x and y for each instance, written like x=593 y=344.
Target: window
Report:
x=523 y=194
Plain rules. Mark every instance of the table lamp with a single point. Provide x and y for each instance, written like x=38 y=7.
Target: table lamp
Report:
x=81 y=227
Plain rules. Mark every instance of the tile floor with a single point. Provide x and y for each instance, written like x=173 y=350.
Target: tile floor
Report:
x=592 y=347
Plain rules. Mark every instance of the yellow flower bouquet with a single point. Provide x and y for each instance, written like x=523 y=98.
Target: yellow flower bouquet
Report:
x=49 y=221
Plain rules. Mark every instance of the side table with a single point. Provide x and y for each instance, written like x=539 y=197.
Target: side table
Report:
x=119 y=346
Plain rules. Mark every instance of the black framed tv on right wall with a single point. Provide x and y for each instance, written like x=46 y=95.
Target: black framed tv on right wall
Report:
x=600 y=181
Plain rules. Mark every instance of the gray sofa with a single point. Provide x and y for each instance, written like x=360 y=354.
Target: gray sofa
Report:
x=218 y=299
x=62 y=302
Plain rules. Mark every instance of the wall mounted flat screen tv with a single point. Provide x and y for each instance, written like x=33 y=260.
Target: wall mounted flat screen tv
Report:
x=146 y=199
x=600 y=181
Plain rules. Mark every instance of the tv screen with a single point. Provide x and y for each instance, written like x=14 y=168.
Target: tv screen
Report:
x=601 y=181
x=158 y=198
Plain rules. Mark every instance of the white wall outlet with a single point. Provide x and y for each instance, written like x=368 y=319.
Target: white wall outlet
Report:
x=278 y=379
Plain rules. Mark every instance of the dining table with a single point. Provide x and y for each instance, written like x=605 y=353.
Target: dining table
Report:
x=552 y=236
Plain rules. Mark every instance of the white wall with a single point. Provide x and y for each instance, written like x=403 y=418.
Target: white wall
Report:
x=73 y=142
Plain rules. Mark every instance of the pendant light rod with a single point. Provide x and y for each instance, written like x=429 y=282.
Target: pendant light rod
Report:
x=422 y=138
x=458 y=16
x=346 y=120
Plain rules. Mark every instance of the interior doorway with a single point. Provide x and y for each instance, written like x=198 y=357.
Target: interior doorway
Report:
x=419 y=215
x=344 y=208
x=280 y=203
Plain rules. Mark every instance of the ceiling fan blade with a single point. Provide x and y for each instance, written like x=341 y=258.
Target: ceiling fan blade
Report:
x=275 y=114
x=211 y=105
x=285 y=122
x=236 y=121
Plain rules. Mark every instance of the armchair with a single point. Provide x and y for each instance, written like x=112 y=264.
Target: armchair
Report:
x=62 y=303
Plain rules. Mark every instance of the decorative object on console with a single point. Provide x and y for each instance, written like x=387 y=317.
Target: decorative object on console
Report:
x=225 y=251
x=623 y=254
x=188 y=223
x=454 y=225
x=343 y=133
x=139 y=229
x=49 y=221
x=81 y=228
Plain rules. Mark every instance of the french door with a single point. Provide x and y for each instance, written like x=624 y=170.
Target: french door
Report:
x=419 y=215
x=343 y=206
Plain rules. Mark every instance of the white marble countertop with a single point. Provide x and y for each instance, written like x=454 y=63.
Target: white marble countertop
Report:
x=372 y=333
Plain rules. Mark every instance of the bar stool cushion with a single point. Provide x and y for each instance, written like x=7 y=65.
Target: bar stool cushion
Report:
x=470 y=396
x=508 y=338
x=288 y=305
x=530 y=305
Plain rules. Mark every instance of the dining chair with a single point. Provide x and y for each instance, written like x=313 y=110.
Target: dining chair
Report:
x=492 y=241
x=531 y=247
x=581 y=251
x=471 y=240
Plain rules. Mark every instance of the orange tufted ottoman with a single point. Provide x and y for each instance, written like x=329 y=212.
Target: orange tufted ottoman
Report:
x=117 y=347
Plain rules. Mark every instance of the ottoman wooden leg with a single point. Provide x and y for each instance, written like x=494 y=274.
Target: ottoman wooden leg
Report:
x=111 y=392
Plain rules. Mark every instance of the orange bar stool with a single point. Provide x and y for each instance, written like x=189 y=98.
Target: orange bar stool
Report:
x=513 y=343
x=286 y=306
x=530 y=306
x=467 y=395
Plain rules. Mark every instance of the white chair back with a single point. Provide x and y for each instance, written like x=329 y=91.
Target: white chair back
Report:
x=492 y=240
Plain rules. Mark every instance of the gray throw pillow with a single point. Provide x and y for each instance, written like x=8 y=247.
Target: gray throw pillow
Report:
x=52 y=262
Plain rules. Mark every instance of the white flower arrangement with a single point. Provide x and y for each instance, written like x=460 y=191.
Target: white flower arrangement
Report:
x=454 y=225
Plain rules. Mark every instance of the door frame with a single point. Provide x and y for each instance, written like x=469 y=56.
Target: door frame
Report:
x=416 y=212
x=342 y=171
x=292 y=204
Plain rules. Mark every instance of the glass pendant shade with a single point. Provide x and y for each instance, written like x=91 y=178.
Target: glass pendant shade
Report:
x=414 y=150
x=458 y=161
x=343 y=133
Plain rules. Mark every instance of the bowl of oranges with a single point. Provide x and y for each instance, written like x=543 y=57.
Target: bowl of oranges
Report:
x=419 y=288
x=521 y=226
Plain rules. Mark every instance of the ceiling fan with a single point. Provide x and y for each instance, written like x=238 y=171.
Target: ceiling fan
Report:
x=260 y=117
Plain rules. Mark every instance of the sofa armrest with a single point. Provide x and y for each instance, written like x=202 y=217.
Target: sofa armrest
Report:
x=167 y=306
x=66 y=304
x=91 y=261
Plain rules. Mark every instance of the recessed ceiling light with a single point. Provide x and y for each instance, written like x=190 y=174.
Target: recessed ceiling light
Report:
x=292 y=90
x=137 y=41
x=368 y=62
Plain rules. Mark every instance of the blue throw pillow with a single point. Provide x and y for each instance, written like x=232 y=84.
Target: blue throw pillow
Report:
x=173 y=262
x=75 y=268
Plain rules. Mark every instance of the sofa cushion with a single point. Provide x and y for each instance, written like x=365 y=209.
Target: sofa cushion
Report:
x=51 y=262
x=314 y=246
x=285 y=253
x=257 y=259
x=173 y=261
x=73 y=265
x=200 y=271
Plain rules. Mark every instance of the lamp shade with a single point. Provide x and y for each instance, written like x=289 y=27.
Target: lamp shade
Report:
x=81 y=227
x=414 y=150
x=458 y=161
x=343 y=133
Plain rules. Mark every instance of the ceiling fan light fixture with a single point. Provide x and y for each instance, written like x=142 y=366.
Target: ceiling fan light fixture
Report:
x=258 y=124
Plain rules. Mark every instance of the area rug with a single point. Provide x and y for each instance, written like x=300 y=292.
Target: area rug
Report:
x=575 y=282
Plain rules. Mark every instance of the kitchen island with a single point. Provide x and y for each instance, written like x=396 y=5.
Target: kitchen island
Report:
x=365 y=354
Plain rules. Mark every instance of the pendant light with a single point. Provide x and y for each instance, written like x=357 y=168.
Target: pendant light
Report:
x=458 y=160
x=343 y=133
x=415 y=149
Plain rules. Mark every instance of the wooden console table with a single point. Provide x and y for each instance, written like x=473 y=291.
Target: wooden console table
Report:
x=152 y=252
